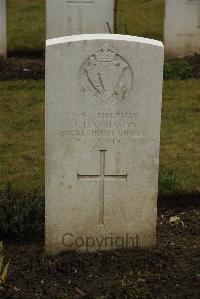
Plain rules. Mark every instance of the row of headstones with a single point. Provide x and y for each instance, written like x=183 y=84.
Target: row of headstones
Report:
x=68 y=17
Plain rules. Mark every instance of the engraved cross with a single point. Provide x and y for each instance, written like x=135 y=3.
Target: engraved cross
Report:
x=102 y=178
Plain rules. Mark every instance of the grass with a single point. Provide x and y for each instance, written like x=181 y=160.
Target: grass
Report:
x=22 y=136
x=141 y=17
x=26 y=26
x=177 y=70
x=179 y=153
x=26 y=22
x=21 y=215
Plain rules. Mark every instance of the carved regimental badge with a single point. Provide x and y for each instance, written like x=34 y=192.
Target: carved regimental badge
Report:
x=105 y=77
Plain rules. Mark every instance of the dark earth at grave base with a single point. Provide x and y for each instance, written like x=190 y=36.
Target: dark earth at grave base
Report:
x=22 y=68
x=16 y=68
x=170 y=270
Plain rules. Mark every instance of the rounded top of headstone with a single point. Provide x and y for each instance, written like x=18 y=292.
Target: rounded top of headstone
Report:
x=116 y=37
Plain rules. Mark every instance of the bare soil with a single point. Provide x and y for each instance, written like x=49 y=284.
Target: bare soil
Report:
x=170 y=270
x=19 y=68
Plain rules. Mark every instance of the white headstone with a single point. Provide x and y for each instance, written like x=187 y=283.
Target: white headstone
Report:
x=103 y=113
x=69 y=17
x=3 y=42
x=182 y=28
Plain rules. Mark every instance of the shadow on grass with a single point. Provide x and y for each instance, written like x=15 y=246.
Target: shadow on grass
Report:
x=21 y=215
x=26 y=52
x=181 y=200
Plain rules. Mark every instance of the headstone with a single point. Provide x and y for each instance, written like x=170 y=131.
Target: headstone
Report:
x=3 y=45
x=103 y=113
x=69 y=17
x=182 y=28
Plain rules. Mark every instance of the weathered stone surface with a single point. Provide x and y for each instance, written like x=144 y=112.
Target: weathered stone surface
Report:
x=103 y=112
x=182 y=28
x=69 y=17
x=3 y=42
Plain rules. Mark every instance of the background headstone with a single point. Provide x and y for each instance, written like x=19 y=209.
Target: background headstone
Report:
x=3 y=42
x=68 y=17
x=103 y=113
x=182 y=28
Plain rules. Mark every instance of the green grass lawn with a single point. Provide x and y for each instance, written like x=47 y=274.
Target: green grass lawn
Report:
x=26 y=26
x=26 y=22
x=22 y=136
x=179 y=153
x=141 y=17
